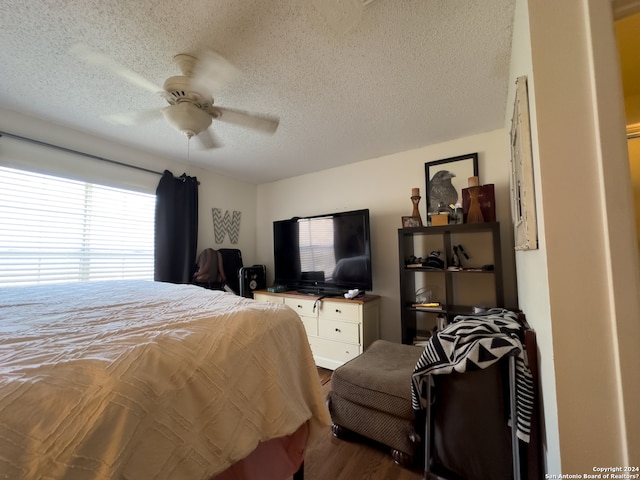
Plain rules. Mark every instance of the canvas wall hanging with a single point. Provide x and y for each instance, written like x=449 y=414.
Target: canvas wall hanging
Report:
x=523 y=207
x=226 y=224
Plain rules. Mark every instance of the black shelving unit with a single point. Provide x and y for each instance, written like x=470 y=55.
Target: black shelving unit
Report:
x=484 y=286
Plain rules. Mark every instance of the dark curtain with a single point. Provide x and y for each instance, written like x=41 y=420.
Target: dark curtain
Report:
x=176 y=228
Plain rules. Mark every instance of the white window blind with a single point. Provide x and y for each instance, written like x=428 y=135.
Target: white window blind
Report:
x=55 y=230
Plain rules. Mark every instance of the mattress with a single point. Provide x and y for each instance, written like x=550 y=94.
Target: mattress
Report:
x=139 y=380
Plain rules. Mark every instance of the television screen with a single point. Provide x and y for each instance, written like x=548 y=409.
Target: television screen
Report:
x=323 y=254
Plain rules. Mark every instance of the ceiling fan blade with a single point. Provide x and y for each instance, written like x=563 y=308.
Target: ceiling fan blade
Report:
x=262 y=123
x=95 y=58
x=207 y=140
x=129 y=119
x=212 y=72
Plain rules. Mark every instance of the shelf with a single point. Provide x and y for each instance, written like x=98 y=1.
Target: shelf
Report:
x=428 y=309
x=458 y=291
x=423 y=269
x=448 y=309
x=455 y=228
x=464 y=270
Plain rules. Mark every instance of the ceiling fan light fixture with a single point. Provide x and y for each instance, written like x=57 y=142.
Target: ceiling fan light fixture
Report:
x=187 y=118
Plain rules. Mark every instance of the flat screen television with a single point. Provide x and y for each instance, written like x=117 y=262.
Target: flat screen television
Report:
x=323 y=254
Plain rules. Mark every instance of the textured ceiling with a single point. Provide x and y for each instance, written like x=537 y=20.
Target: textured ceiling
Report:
x=410 y=73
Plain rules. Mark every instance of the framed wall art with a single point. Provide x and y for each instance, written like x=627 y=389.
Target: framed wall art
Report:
x=446 y=178
x=523 y=208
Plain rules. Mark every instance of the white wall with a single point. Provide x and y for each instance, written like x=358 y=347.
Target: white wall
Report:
x=579 y=292
x=214 y=190
x=531 y=266
x=632 y=109
x=383 y=185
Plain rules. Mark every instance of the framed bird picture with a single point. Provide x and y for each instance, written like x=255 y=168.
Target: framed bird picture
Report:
x=446 y=178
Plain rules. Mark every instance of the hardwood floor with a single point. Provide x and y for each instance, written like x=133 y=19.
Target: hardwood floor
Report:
x=332 y=459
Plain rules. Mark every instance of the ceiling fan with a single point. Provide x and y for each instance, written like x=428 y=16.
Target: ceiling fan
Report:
x=191 y=108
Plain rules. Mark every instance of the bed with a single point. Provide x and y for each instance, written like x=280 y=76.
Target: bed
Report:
x=138 y=380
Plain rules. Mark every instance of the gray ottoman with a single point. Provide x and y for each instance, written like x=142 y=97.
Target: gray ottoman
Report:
x=371 y=395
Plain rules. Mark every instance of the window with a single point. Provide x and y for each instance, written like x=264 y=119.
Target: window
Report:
x=55 y=230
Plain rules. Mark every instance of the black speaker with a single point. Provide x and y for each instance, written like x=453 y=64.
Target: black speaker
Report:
x=252 y=278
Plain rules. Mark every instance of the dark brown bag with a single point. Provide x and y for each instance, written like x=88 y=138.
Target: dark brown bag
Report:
x=210 y=269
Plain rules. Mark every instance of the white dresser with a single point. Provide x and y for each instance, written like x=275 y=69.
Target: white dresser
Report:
x=338 y=329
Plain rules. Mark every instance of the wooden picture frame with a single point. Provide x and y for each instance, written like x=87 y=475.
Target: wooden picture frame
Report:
x=523 y=208
x=446 y=186
x=411 y=222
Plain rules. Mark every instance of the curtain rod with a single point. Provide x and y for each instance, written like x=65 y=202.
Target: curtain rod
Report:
x=64 y=149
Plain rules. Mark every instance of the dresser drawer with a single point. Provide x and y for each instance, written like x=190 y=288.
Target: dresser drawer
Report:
x=263 y=297
x=310 y=325
x=340 y=310
x=330 y=354
x=301 y=305
x=340 y=331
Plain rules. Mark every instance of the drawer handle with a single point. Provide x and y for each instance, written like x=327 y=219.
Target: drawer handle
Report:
x=299 y=306
x=338 y=330
x=338 y=310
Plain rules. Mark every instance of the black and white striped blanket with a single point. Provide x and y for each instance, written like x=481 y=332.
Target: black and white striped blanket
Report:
x=472 y=343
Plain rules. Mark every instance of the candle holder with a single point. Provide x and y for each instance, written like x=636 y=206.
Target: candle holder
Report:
x=415 y=199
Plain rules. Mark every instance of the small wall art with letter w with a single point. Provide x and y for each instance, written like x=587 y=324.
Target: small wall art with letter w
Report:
x=226 y=224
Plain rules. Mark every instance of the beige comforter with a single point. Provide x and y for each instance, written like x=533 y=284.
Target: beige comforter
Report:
x=145 y=380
